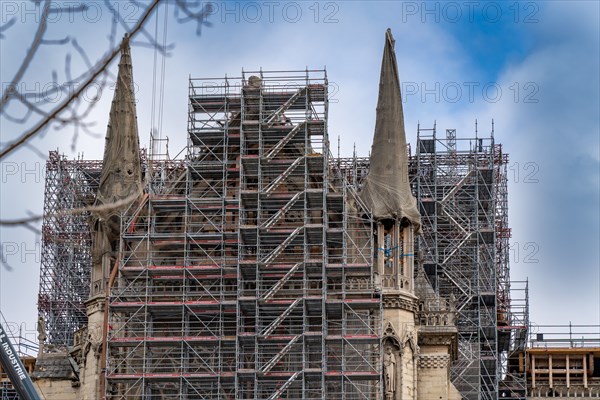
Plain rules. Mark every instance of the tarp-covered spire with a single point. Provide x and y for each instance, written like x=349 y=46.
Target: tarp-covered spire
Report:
x=121 y=176
x=386 y=190
x=121 y=171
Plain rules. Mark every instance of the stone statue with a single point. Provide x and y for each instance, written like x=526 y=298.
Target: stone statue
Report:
x=389 y=373
x=41 y=328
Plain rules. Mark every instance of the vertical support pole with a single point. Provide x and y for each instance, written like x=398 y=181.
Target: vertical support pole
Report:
x=401 y=369
x=550 y=371
x=380 y=254
x=568 y=372
x=415 y=372
x=533 y=371
x=585 y=383
x=409 y=257
x=397 y=260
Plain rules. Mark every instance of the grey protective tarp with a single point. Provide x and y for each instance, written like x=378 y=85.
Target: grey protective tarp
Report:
x=121 y=175
x=386 y=190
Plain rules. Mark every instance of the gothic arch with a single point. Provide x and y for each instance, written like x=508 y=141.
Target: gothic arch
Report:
x=410 y=339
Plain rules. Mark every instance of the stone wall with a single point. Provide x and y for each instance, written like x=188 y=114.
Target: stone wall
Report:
x=53 y=389
x=433 y=379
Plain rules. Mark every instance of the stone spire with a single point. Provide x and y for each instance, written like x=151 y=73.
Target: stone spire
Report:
x=120 y=185
x=121 y=176
x=387 y=190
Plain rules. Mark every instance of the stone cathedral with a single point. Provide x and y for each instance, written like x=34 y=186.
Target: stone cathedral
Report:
x=415 y=341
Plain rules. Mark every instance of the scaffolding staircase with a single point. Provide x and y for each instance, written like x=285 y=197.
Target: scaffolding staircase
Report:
x=270 y=258
x=273 y=325
x=281 y=144
x=267 y=367
x=281 y=212
x=277 y=181
x=277 y=114
x=284 y=387
x=271 y=292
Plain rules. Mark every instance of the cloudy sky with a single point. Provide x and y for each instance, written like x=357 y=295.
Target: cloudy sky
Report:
x=532 y=67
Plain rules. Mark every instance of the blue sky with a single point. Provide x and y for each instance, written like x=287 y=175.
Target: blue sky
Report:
x=533 y=67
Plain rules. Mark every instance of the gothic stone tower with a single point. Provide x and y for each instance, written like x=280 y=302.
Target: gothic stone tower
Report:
x=387 y=193
x=120 y=186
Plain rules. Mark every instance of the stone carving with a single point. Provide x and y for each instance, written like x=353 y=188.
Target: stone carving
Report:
x=41 y=330
x=437 y=361
x=411 y=340
x=94 y=343
x=399 y=301
x=358 y=284
x=389 y=330
x=389 y=373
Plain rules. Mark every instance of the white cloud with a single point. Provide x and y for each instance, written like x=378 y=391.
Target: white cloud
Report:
x=559 y=133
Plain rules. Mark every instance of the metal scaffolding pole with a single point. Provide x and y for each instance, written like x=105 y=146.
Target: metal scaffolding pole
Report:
x=246 y=271
x=66 y=242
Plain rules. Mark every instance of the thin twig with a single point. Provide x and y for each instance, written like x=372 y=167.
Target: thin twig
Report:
x=91 y=209
x=28 y=57
x=54 y=114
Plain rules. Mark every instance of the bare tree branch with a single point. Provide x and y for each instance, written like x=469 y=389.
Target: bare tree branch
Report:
x=74 y=110
x=201 y=17
x=92 y=209
x=76 y=94
x=55 y=41
x=29 y=56
x=6 y=26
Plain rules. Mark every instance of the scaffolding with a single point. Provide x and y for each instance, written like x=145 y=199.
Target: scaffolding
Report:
x=246 y=271
x=461 y=187
x=563 y=361
x=514 y=326
x=66 y=242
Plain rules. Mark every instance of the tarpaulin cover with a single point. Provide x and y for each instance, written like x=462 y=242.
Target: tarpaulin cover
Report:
x=121 y=175
x=386 y=190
